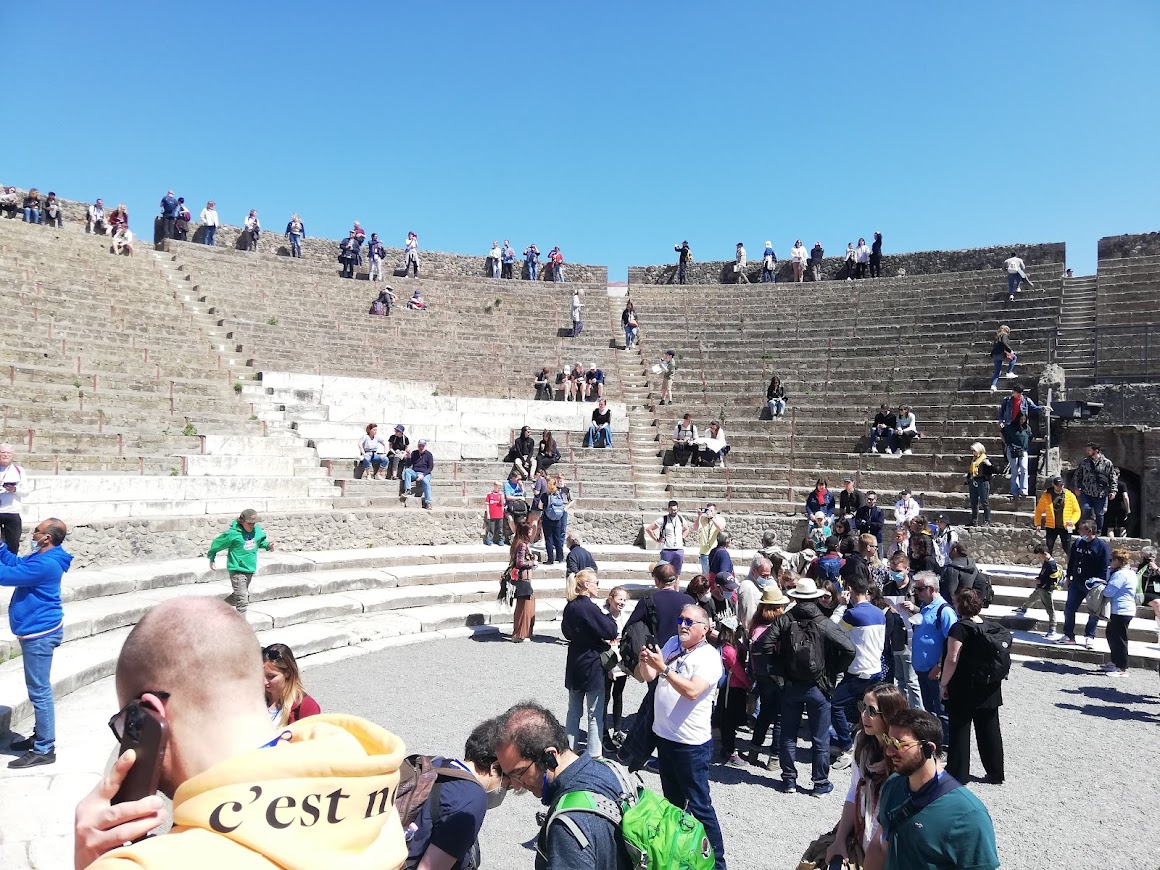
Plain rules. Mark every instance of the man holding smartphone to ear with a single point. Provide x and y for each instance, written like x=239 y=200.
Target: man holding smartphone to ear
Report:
x=36 y=617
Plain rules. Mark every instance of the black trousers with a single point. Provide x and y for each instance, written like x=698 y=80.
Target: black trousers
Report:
x=11 y=530
x=1063 y=535
x=614 y=691
x=861 y=273
x=988 y=737
x=875 y=266
x=682 y=453
x=1117 y=634
x=732 y=703
x=167 y=224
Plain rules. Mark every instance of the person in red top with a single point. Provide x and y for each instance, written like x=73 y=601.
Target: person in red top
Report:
x=557 y=261
x=286 y=699
x=734 y=695
x=494 y=515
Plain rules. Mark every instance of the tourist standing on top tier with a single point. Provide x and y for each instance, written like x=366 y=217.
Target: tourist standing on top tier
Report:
x=876 y=256
x=768 y=264
x=241 y=541
x=507 y=258
x=739 y=265
x=1096 y=478
x=168 y=215
x=817 y=253
x=1001 y=351
x=411 y=254
x=798 y=256
x=493 y=259
x=850 y=261
x=684 y=258
x=532 y=260
x=556 y=260
x=253 y=228
x=295 y=232
x=1016 y=276
x=375 y=255
x=12 y=480
x=863 y=258
x=209 y=223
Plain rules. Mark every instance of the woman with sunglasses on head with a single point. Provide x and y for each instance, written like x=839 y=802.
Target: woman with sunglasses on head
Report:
x=869 y=772
x=286 y=699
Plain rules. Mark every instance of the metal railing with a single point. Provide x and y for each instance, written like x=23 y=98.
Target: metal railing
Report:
x=1120 y=353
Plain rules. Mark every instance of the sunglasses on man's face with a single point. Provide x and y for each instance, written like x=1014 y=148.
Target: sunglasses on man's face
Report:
x=895 y=743
x=118 y=721
x=688 y=623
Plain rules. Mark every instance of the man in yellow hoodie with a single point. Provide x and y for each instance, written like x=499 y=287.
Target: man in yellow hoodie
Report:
x=1058 y=511
x=246 y=795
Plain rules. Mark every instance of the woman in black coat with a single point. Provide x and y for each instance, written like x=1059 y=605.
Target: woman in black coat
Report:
x=589 y=631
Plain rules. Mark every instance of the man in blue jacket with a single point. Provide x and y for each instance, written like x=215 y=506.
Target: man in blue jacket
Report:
x=36 y=617
x=1089 y=558
x=1016 y=404
x=168 y=214
x=422 y=464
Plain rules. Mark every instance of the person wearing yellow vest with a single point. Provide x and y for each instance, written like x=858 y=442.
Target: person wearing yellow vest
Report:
x=247 y=794
x=1057 y=511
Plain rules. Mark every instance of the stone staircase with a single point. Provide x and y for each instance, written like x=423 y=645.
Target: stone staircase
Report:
x=1075 y=348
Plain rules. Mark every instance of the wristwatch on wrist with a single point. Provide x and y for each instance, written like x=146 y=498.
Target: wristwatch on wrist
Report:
x=665 y=672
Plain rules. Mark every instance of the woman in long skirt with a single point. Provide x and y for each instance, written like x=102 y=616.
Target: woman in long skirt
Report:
x=523 y=562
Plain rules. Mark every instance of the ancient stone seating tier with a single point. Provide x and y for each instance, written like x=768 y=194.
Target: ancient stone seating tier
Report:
x=108 y=374
x=920 y=340
x=477 y=337
x=1127 y=340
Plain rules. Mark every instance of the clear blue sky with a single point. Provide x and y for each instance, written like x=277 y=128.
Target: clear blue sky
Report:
x=610 y=129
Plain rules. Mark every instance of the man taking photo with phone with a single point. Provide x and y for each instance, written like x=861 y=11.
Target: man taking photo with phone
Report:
x=36 y=617
x=247 y=795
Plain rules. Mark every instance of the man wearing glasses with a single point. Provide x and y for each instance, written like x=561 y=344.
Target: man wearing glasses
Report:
x=246 y=793
x=533 y=753
x=926 y=818
x=932 y=619
x=687 y=670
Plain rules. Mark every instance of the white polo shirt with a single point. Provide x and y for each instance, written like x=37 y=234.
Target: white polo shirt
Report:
x=675 y=717
x=10 y=501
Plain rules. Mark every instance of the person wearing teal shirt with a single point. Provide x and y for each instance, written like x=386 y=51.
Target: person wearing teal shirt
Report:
x=926 y=819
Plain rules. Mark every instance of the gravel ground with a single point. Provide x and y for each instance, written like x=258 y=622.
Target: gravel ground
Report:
x=1082 y=753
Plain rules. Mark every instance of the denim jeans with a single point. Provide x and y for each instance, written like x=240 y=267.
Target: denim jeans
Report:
x=876 y=435
x=630 y=333
x=553 y=538
x=409 y=476
x=907 y=680
x=1095 y=506
x=210 y=235
x=932 y=702
x=32 y=215
x=1018 y=472
x=599 y=436
x=372 y=459
x=531 y=271
x=844 y=706
x=1014 y=280
x=1076 y=592
x=295 y=245
x=796 y=699
x=767 y=276
x=998 y=360
x=704 y=563
x=578 y=700
x=776 y=407
x=685 y=784
x=37 y=655
x=558 y=274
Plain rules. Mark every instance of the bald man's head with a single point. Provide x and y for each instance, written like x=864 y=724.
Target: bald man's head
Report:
x=199 y=650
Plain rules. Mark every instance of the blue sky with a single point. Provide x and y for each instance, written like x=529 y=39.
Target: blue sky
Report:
x=610 y=129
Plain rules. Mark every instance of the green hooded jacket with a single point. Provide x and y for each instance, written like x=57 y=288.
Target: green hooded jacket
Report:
x=242 y=548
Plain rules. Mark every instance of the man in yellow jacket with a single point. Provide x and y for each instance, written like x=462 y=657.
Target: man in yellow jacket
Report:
x=1057 y=511
x=246 y=794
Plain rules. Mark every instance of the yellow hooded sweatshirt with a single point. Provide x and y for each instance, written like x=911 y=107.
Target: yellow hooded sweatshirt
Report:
x=324 y=800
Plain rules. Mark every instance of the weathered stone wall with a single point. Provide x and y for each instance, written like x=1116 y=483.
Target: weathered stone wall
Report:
x=1132 y=245
x=833 y=268
x=1124 y=404
x=111 y=543
x=432 y=263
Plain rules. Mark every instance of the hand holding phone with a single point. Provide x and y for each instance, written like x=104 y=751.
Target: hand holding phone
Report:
x=101 y=826
x=147 y=734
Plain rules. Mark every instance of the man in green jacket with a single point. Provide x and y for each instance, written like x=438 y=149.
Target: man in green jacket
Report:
x=242 y=541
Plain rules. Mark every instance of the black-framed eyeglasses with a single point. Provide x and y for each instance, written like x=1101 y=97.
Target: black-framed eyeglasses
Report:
x=117 y=722
x=518 y=774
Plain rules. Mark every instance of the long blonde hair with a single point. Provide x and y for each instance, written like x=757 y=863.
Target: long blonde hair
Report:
x=576 y=583
x=282 y=658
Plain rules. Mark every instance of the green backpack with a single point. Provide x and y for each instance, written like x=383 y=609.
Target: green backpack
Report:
x=656 y=834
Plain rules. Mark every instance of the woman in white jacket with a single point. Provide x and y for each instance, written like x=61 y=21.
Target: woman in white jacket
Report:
x=906 y=432
x=799 y=256
x=863 y=257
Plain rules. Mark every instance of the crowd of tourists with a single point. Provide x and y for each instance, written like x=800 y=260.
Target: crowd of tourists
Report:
x=859 y=261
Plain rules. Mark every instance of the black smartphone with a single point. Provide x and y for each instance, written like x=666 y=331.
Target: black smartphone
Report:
x=651 y=642
x=147 y=734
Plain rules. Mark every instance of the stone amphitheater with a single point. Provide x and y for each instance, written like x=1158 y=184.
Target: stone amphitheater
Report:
x=151 y=398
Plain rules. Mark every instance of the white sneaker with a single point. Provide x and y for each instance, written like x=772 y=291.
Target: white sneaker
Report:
x=1115 y=672
x=1087 y=642
x=1012 y=375
x=873 y=449
x=1052 y=635
x=994 y=388
x=843 y=761
x=1108 y=666
x=908 y=451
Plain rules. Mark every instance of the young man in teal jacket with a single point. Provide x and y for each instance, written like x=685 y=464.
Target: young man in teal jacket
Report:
x=36 y=617
x=241 y=541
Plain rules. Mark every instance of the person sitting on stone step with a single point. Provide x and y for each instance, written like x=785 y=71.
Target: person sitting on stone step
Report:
x=94 y=218
x=122 y=241
x=905 y=431
x=398 y=452
x=548 y=453
x=416 y=301
x=522 y=454
x=821 y=498
x=712 y=446
x=869 y=519
x=545 y=392
x=600 y=429
x=10 y=202
x=574 y=384
x=775 y=397
x=885 y=422
x=593 y=382
x=906 y=508
x=52 y=213
x=373 y=451
x=419 y=471
x=684 y=441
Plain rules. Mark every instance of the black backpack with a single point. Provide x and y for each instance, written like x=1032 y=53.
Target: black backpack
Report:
x=994 y=662
x=636 y=635
x=983 y=586
x=803 y=651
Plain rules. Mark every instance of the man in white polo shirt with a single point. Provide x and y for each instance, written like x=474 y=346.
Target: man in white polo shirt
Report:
x=11 y=487
x=687 y=671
